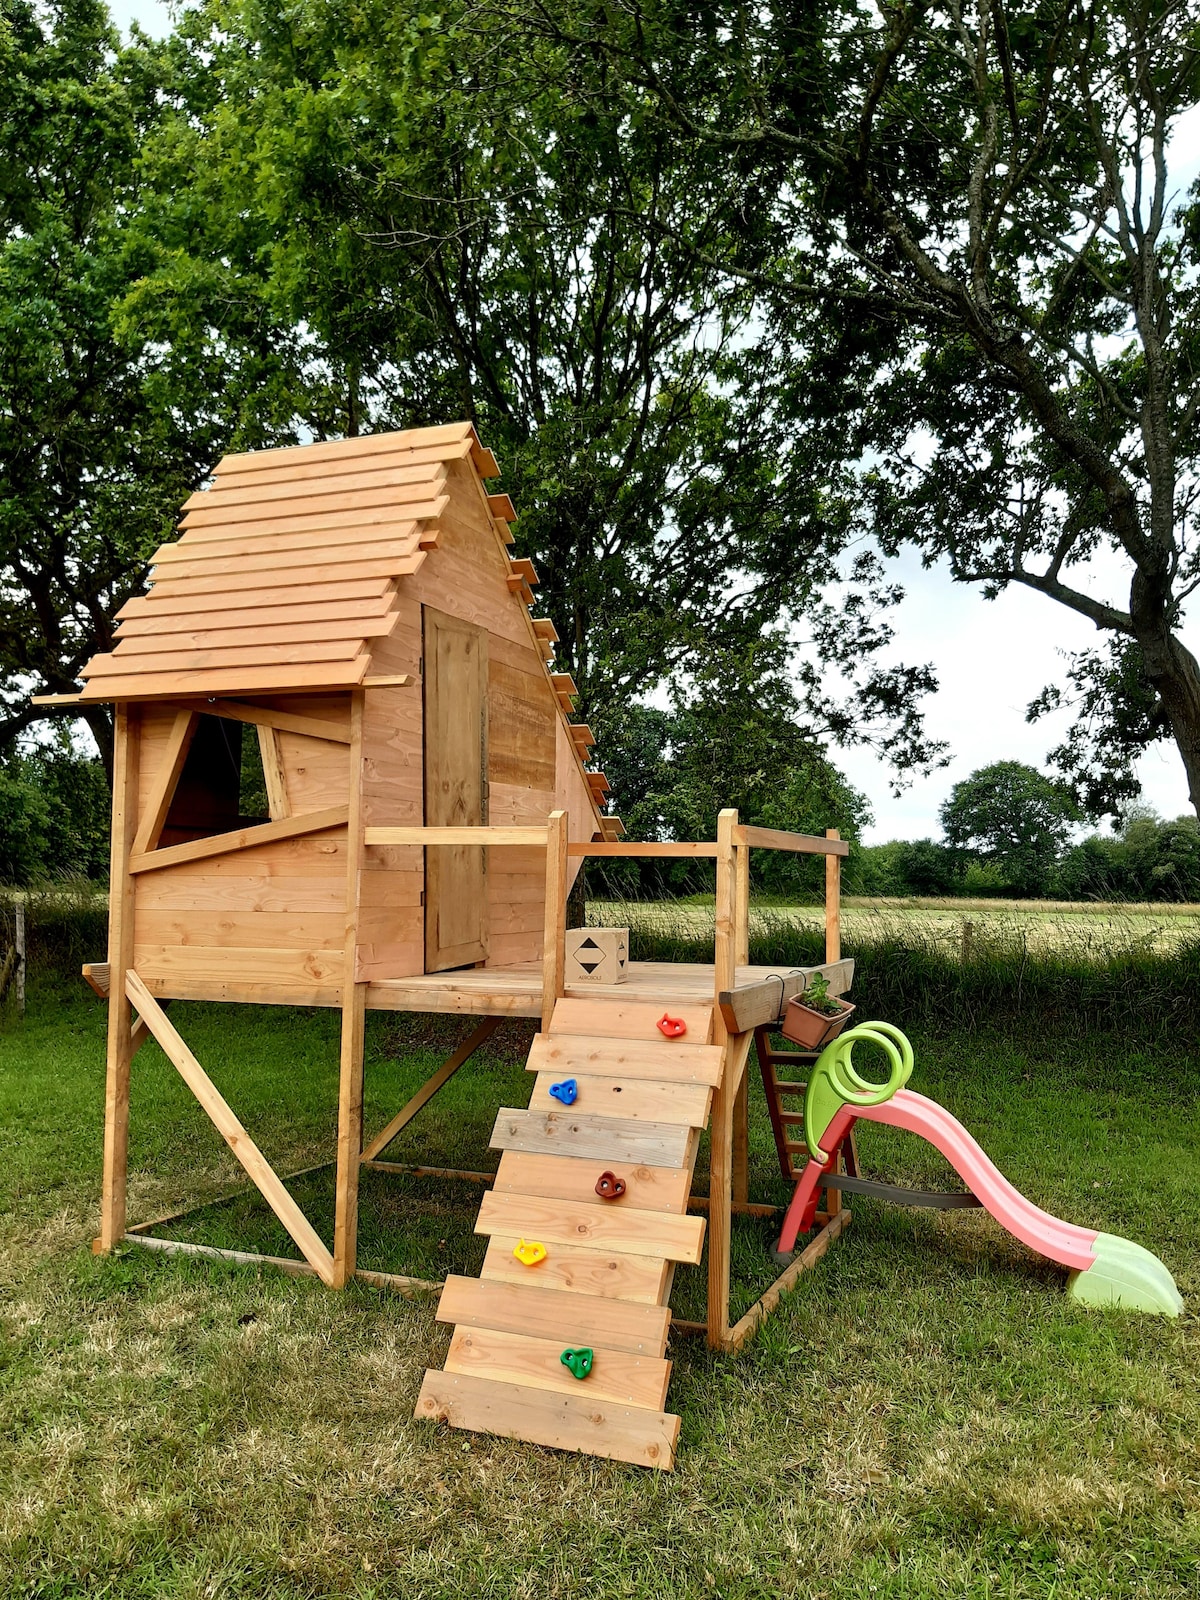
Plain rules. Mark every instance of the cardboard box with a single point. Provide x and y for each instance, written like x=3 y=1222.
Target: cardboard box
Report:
x=597 y=955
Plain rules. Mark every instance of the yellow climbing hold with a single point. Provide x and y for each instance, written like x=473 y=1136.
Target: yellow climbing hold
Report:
x=529 y=1252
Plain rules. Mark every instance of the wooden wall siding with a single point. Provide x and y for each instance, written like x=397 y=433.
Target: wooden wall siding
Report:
x=273 y=915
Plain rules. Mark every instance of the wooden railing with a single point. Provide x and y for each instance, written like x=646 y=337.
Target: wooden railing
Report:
x=731 y=851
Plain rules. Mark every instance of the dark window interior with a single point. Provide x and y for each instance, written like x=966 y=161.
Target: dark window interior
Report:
x=221 y=787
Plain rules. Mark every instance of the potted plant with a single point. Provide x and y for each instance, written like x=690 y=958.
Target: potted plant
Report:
x=815 y=1017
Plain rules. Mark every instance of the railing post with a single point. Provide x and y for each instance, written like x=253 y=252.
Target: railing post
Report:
x=833 y=902
x=720 y=1185
x=742 y=907
x=554 y=944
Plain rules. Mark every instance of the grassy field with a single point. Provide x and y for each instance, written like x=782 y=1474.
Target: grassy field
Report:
x=1086 y=931
x=927 y=1415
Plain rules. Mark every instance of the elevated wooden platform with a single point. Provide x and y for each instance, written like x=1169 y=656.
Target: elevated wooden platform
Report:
x=514 y=991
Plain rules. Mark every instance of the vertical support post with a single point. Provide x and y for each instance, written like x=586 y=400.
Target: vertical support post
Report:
x=354 y=998
x=741 y=1105
x=121 y=885
x=742 y=910
x=19 y=953
x=720 y=1184
x=833 y=902
x=554 y=942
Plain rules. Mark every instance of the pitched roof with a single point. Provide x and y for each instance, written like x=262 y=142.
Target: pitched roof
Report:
x=286 y=569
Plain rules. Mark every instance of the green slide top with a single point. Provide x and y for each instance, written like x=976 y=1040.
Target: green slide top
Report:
x=833 y=1082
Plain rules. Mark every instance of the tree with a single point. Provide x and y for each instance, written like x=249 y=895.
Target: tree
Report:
x=959 y=224
x=1012 y=816
x=94 y=459
x=465 y=233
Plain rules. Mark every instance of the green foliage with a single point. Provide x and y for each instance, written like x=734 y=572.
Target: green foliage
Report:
x=54 y=816
x=1149 y=860
x=1011 y=816
x=968 y=245
x=737 y=735
x=98 y=446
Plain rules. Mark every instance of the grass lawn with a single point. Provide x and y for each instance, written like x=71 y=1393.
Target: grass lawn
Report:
x=927 y=1415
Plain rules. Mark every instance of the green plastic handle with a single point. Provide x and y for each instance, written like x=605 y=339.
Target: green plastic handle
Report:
x=834 y=1082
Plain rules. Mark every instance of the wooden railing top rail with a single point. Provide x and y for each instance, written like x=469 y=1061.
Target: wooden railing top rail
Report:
x=482 y=835
x=808 y=844
x=673 y=847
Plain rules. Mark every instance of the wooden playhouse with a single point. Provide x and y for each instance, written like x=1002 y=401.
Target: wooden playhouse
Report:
x=345 y=775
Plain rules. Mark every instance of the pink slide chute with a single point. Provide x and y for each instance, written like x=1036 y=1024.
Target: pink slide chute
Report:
x=1049 y=1236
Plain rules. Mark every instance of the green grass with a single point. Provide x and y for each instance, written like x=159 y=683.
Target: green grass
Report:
x=927 y=1415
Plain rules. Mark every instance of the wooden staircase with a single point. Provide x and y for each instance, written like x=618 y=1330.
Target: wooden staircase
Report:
x=642 y=1103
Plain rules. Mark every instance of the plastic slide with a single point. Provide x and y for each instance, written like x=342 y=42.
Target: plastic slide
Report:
x=1105 y=1270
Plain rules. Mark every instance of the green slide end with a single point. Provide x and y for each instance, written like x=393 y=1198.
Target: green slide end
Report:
x=1125 y=1275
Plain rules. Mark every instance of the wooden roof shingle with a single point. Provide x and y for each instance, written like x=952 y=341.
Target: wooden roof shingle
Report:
x=286 y=568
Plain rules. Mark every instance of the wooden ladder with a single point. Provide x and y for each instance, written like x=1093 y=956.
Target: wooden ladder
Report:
x=643 y=1101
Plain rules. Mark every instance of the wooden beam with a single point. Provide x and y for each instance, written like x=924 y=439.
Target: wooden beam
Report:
x=274 y=776
x=431 y=1086
x=229 y=1127
x=243 y=839
x=354 y=998
x=753 y=1005
x=603 y=847
x=554 y=934
x=389 y=680
x=807 y=1258
x=799 y=843
x=482 y=835
x=286 y=721
x=297 y=1269
x=833 y=903
x=56 y=699
x=127 y=736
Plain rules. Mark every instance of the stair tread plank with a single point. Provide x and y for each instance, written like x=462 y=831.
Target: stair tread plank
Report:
x=520 y=1358
x=561 y=1421
x=572 y=1319
x=613 y=1227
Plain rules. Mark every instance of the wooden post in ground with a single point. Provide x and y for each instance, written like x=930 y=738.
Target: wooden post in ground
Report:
x=720 y=1183
x=741 y=1105
x=833 y=902
x=120 y=959
x=554 y=942
x=19 y=954
x=354 y=997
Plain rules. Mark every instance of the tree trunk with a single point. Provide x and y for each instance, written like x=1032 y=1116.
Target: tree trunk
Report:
x=1175 y=673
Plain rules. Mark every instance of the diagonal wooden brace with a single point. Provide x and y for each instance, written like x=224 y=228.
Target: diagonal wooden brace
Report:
x=225 y=1121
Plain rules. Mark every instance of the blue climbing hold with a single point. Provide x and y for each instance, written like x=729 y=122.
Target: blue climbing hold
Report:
x=565 y=1091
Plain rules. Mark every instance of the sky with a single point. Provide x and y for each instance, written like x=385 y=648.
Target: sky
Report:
x=991 y=657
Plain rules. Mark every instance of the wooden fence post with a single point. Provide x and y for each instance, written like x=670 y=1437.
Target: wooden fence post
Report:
x=720 y=1183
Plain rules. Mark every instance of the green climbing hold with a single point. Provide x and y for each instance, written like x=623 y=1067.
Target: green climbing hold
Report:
x=1126 y=1275
x=579 y=1362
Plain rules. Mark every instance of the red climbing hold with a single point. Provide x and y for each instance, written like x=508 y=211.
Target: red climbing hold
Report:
x=671 y=1027
x=609 y=1186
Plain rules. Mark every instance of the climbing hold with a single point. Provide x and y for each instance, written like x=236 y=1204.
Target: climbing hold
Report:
x=529 y=1252
x=609 y=1186
x=579 y=1362
x=566 y=1091
x=671 y=1027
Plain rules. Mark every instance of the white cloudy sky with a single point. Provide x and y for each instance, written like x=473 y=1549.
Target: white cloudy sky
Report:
x=992 y=658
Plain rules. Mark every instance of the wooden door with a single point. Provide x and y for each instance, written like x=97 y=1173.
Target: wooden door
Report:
x=455 y=690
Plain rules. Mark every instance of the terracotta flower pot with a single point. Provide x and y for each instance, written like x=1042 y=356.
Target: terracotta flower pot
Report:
x=812 y=1030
